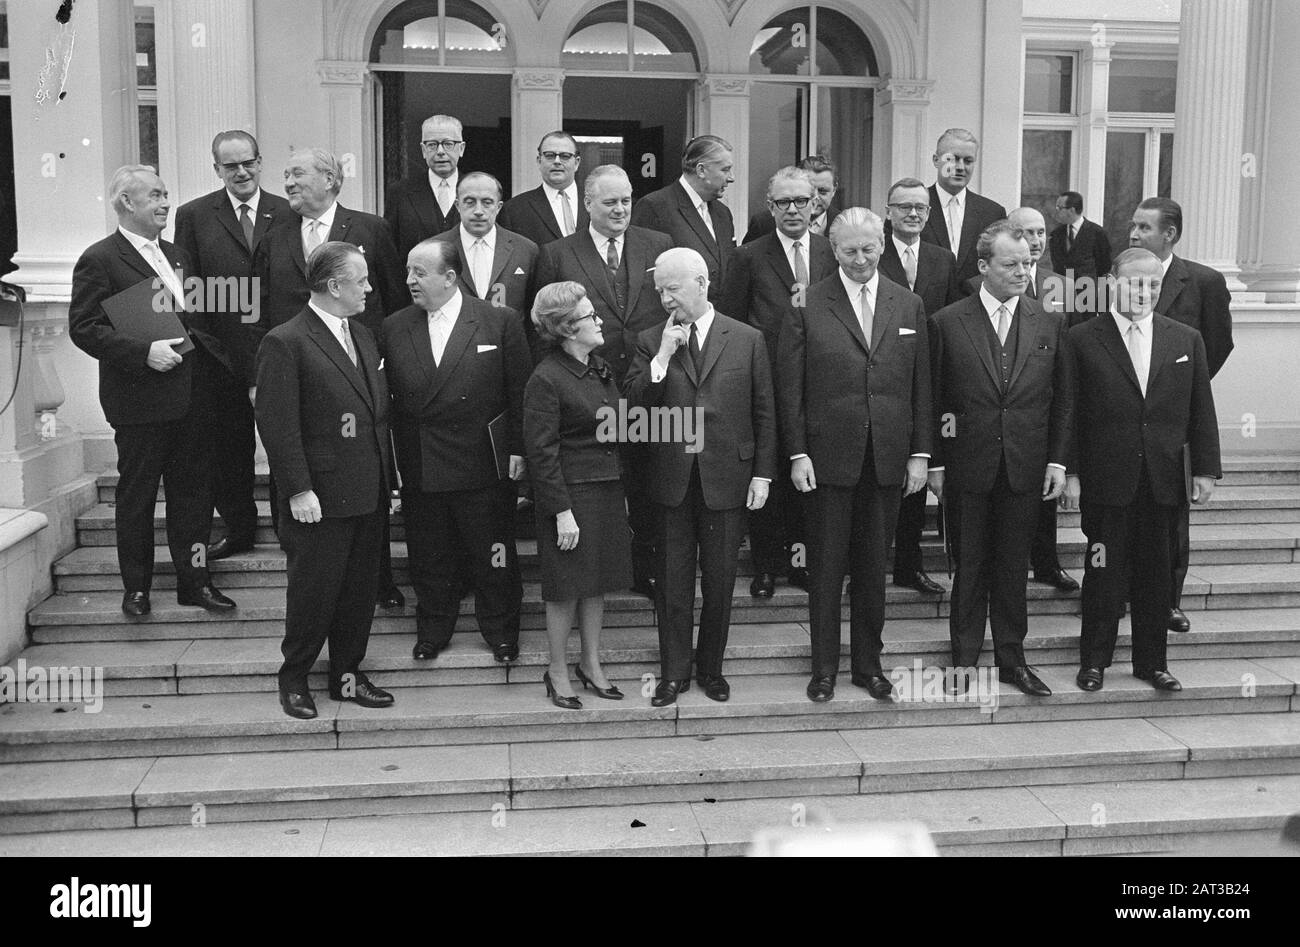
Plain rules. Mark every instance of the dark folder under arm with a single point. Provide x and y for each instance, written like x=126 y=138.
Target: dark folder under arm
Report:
x=146 y=311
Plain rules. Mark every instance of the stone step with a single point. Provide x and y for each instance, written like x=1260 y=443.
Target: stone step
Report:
x=305 y=783
x=481 y=714
x=243 y=665
x=94 y=568
x=74 y=616
x=1184 y=816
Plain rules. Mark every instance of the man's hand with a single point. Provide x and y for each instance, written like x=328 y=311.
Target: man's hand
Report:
x=915 y=479
x=162 y=358
x=252 y=395
x=1070 y=498
x=517 y=467
x=935 y=479
x=802 y=476
x=757 y=495
x=1202 y=488
x=566 y=531
x=1053 y=482
x=305 y=507
x=674 y=337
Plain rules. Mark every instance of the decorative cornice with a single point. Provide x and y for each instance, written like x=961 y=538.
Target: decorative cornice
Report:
x=726 y=85
x=340 y=72
x=544 y=80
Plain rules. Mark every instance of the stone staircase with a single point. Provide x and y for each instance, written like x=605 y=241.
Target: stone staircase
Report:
x=191 y=754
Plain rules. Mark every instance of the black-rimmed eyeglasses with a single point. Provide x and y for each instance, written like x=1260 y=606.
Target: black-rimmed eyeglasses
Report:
x=783 y=203
x=446 y=144
x=558 y=155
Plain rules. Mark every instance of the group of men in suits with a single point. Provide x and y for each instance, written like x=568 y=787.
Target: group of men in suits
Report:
x=849 y=362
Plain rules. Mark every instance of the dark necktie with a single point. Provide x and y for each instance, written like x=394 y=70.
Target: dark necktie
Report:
x=694 y=347
x=1033 y=290
x=246 y=222
x=611 y=256
x=1069 y=237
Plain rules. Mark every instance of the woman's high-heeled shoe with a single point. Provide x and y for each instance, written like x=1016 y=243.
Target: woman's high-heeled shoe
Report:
x=564 y=703
x=613 y=693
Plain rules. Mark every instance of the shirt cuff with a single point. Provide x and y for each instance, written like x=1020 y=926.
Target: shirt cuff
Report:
x=764 y=479
x=936 y=470
x=925 y=456
x=797 y=456
x=1057 y=466
x=658 y=372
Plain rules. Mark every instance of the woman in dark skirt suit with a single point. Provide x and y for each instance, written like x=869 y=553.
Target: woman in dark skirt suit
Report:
x=583 y=540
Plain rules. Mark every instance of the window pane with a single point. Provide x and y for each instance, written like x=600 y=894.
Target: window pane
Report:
x=474 y=37
x=1044 y=169
x=1049 y=83
x=1142 y=85
x=844 y=119
x=1125 y=172
x=149 y=135
x=146 y=61
x=781 y=47
x=778 y=118
x=599 y=41
x=1165 y=177
x=661 y=43
x=842 y=48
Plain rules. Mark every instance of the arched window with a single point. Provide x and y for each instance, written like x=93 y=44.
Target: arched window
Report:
x=814 y=75
x=441 y=33
x=628 y=36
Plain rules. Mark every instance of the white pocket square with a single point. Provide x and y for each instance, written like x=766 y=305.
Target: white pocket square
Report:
x=1183 y=359
x=485 y=348
x=519 y=271
x=381 y=366
x=903 y=331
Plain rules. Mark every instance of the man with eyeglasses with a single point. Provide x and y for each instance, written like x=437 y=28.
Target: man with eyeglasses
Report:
x=553 y=209
x=425 y=203
x=496 y=264
x=825 y=207
x=219 y=233
x=930 y=271
x=765 y=283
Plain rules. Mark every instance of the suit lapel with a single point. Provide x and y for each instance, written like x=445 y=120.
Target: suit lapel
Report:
x=696 y=223
x=593 y=264
x=342 y=221
x=425 y=205
x=133 y=257
x=542 y=208
x=842 y=310
x=261 y=223
x=1114 y=343
x=1026 y=335
x=461 y=334
x=225 y=213
x=501 y=255
x=1173 y=284
x=334 y=351
x=418 y=330
x=884 y=322
x=938 y=219
x=637 y=262
x=781 y=264
x=295 y=246
x=1162 y=350
x=714 y=343
x=973 y=320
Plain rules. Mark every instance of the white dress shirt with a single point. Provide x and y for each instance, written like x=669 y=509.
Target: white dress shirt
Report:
x=435 y=184
x=441 y=321
x=1145 y=327
x=158 y=262
x=957 y=215
x=557 y=207
x=334 y=324
x=701 y=206
x=659 y=369
x=787 y=244
x=902 y=249
x=602 y=243
x=325 y=223
x=480 y=268
x=854 y=291
x=252 y=203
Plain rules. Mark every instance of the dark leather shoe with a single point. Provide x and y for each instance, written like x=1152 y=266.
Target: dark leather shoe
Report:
x=919 y=581
x=298 y=704
x=505 y=652
x=644 y=585
x=228 y=546
x=877 y=685
x=666 y=692
x=799 y=578
x=1025 y=679
x=763 y=586
x=425 y=651
x=205 y=597
x=1178 y=621
x=391 y=598
x=715 y=687
x=363 y=693
x=136 y=604
x=1059 y=579
x=1090 y=679
x=821 y=689
x=1160 y=680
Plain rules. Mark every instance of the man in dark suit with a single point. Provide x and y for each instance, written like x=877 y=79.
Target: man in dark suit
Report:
x=1079 y=247
x=930 y=272
x=854 y=398
x=219 y=233
x=312 y=181
x=702 y=364
x=425 y=203
x=322 y=410
x=1143 y=406
x=765 y=280
x=1196 y=296
x=954 y=205
x=688 y=210
x=159 y=402
x=495 y=264
x=456 y=369
x=825 y=206
x=552 y=209
x=620 y=283
x=1002 y=409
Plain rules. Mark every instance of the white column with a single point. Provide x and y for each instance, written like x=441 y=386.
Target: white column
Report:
x=346 y=85
x=1094 y=108
x=997 y=173
x=724 y=111
x=209 y=62
x=1208 y=130
x=902 y=148
x=537 y=107
x=1269 y=249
